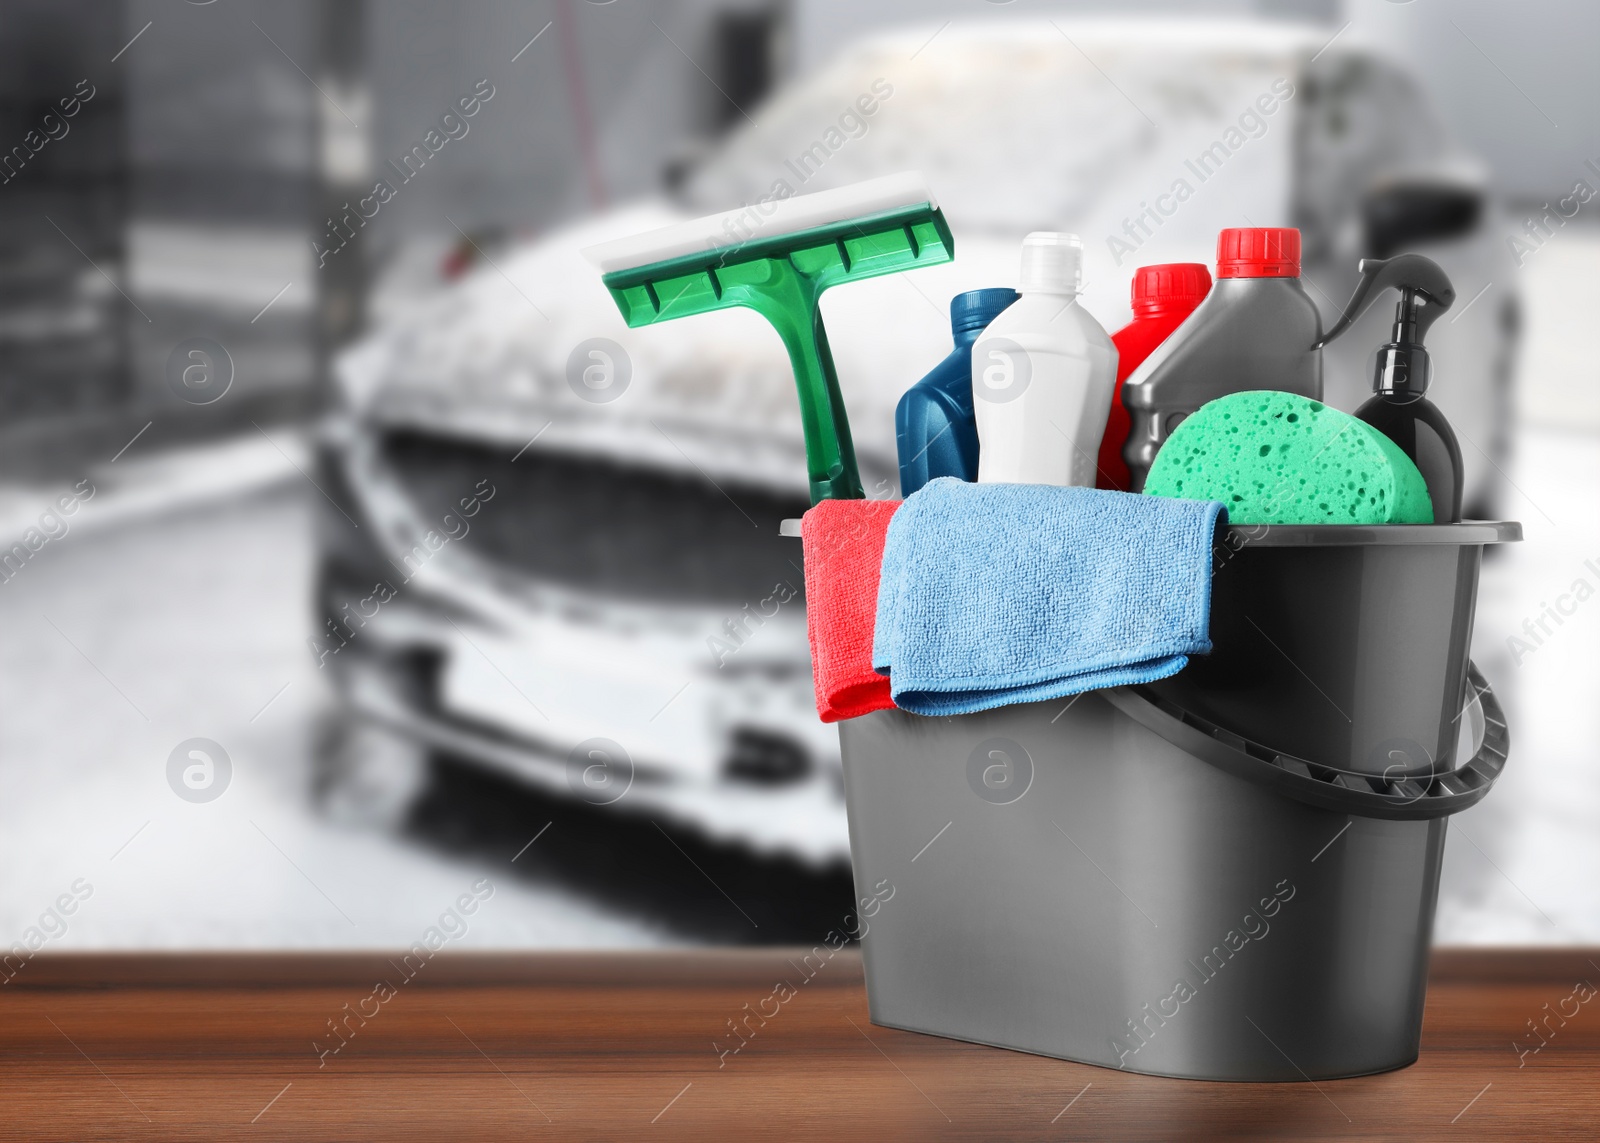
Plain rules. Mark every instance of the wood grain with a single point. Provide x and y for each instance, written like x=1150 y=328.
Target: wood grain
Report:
x=620 y=1046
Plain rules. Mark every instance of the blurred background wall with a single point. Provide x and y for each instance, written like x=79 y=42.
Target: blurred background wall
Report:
x=64 y=332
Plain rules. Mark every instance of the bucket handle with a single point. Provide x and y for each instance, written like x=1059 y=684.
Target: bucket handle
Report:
x=1344 y=791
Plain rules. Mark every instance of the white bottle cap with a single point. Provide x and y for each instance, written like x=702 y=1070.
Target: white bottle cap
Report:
x=1052 y=263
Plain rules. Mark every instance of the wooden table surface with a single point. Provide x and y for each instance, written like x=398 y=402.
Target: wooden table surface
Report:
x=620 y=1046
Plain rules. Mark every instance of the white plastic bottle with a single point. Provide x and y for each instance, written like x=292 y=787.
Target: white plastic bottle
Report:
x=1043 y=373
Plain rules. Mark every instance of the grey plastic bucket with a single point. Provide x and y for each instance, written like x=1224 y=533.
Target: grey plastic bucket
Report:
x=1116 y=880
x=1345 y=646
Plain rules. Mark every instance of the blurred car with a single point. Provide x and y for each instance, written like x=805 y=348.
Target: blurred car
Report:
x=619 y=619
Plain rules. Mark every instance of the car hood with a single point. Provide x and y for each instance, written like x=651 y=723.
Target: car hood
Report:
x=495 y=356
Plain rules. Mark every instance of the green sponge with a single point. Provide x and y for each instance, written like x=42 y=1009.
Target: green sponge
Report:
x=1278 y=458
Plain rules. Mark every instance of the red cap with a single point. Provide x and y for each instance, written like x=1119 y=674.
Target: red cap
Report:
x=1171 y=285
x=1258 y=252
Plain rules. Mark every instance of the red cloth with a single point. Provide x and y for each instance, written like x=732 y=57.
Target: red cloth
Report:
x=843 y=556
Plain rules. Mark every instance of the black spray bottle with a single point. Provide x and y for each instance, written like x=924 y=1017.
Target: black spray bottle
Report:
x=1399 y=408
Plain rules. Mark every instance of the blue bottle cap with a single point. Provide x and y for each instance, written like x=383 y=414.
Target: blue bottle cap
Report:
x=977 y=308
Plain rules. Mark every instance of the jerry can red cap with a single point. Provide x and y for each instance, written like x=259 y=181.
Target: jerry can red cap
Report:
x=1169 y=285
x=1258 y=252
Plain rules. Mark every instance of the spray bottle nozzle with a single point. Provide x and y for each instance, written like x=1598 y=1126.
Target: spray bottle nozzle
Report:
x=1425 y=293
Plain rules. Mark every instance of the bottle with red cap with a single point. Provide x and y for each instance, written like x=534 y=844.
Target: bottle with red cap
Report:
x=1256 y=329
x=1162 y=297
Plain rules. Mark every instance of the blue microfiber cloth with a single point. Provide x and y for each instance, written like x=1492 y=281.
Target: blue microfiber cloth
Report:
x=993 y=594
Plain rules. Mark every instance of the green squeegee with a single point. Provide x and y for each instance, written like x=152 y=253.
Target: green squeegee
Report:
x=776 y=259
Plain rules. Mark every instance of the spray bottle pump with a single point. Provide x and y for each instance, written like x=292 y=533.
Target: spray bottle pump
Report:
x=1399 y=408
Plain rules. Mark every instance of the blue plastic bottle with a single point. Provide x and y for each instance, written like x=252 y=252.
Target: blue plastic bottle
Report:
x=934 y=425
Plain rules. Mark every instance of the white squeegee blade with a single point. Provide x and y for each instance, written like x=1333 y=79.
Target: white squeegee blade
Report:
x=763 y=220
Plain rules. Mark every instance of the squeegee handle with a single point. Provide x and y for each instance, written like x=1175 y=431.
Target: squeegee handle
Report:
x=830 y=454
